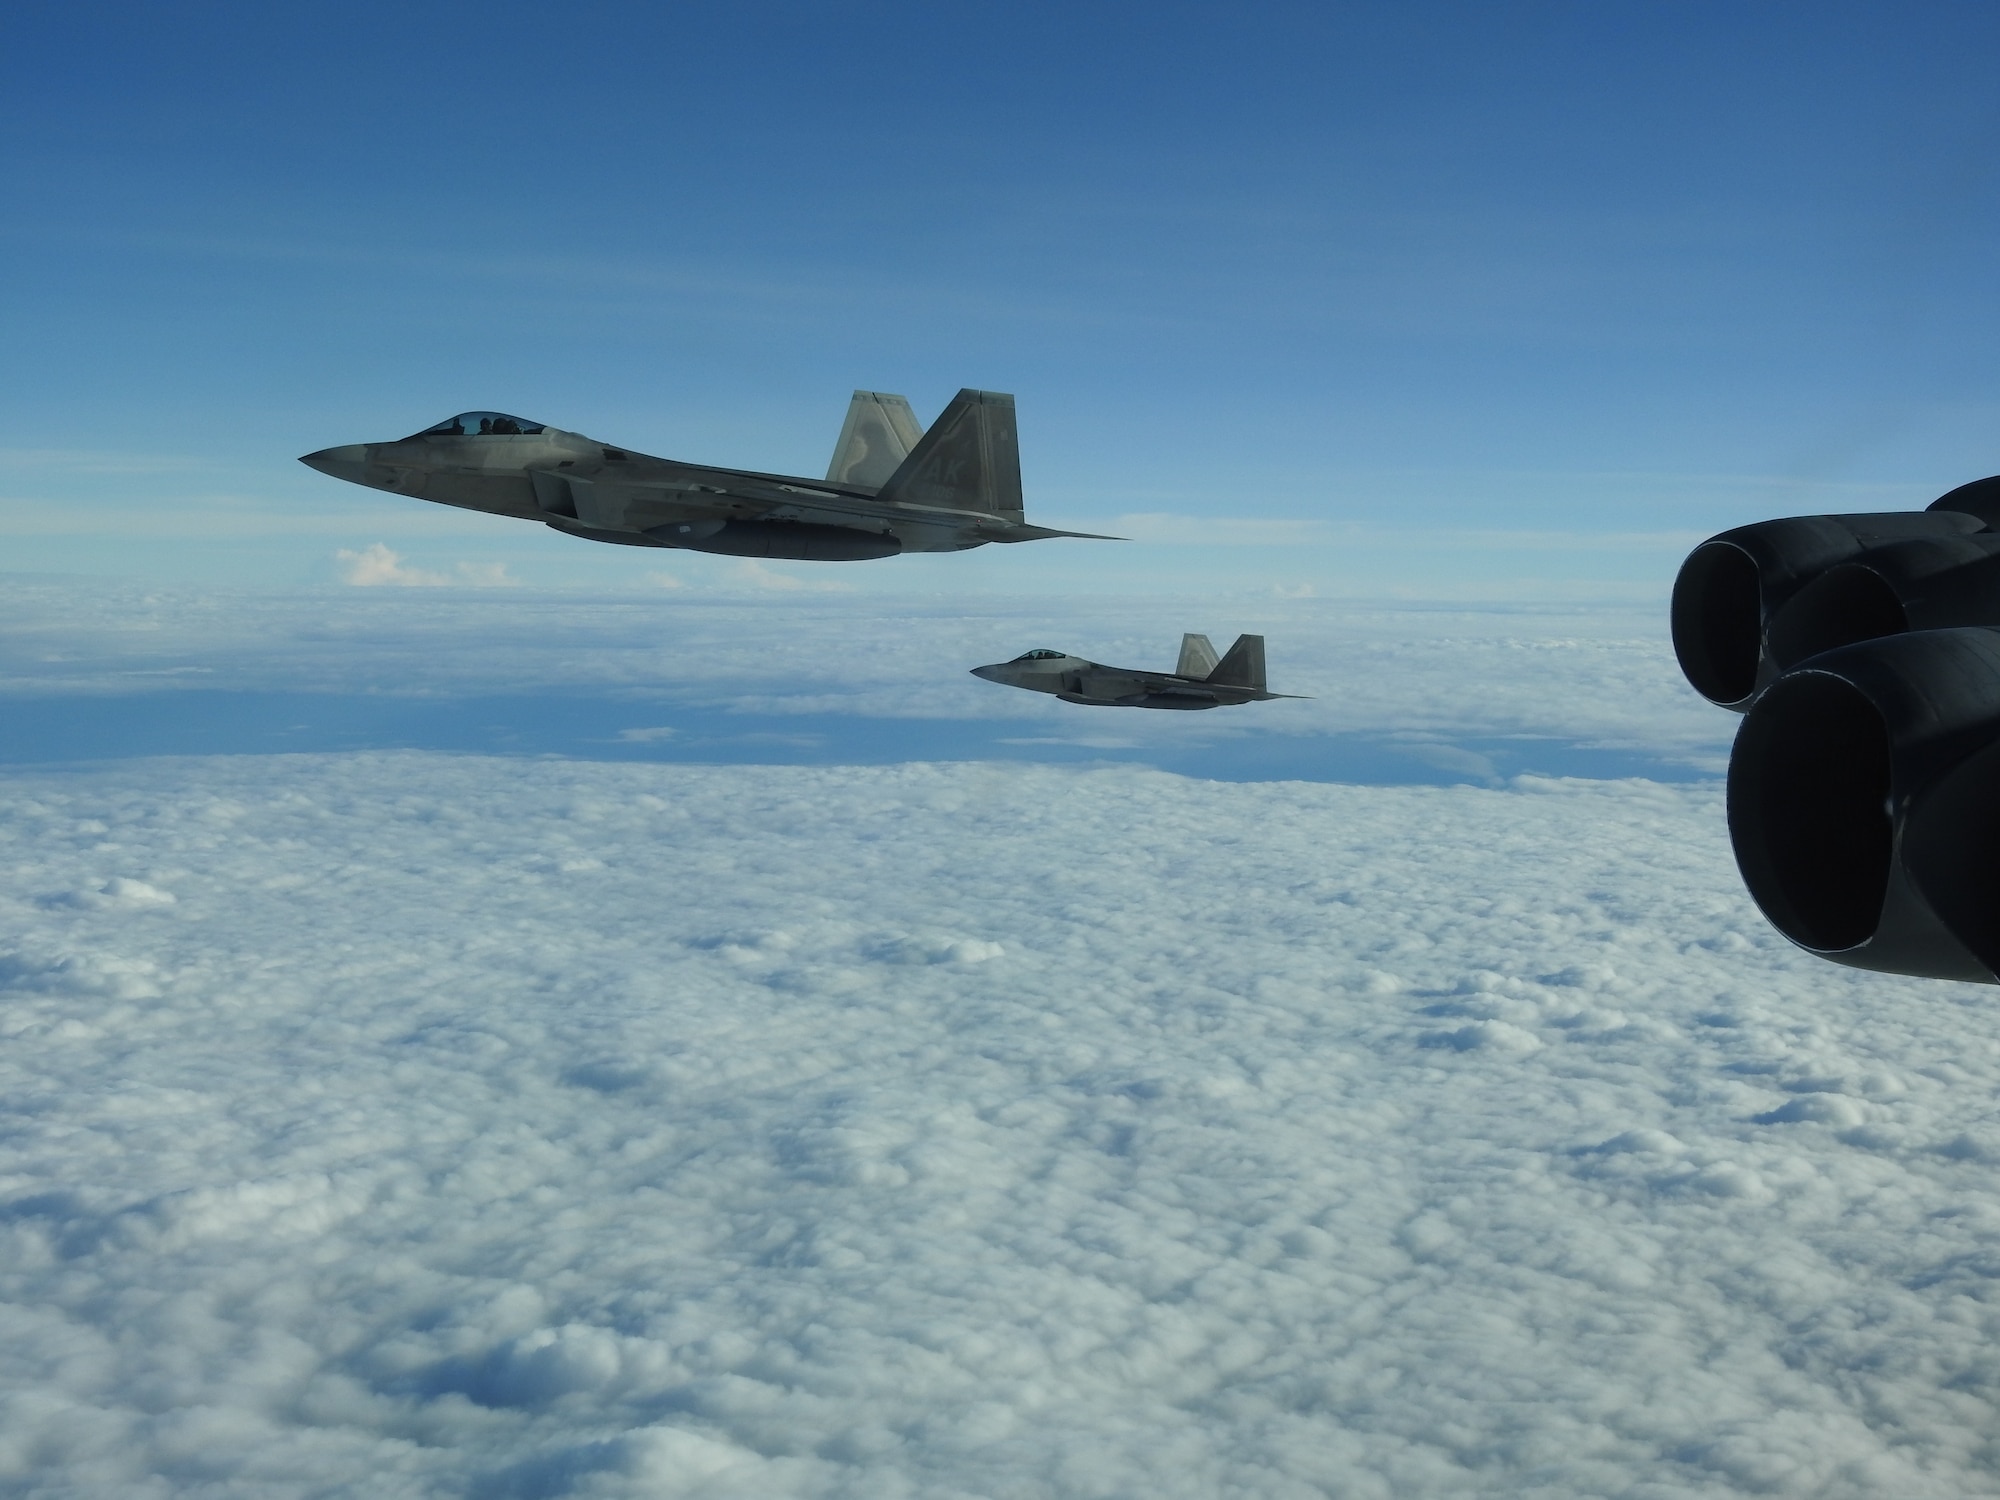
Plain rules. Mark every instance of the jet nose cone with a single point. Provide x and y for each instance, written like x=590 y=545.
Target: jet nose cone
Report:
x=347 y=462
x=991 y=674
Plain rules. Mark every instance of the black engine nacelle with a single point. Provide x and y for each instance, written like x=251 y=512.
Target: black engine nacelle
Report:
x=1754 y=602
x=1864 y=804
x=1864 y=787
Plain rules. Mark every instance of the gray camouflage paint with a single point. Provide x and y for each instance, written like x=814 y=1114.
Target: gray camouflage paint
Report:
x=1197 y=681
x=891 y=488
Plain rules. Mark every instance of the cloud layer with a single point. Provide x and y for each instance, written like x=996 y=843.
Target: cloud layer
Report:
x=418 y=1125
x=1598 y=676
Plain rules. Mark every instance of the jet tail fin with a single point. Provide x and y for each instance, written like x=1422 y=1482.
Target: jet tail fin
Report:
x=1243 y=667
x=969 y=460
x=878 y=435
x=1197 y=657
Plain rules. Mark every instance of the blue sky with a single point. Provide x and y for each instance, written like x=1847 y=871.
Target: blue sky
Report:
x=1443 y=296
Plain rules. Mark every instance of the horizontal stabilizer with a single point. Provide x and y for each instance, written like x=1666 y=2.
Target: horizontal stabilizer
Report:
x=1197 y=657
x=1018 y=531
x=878 y=435
x=969 y=460
x=1243 y=667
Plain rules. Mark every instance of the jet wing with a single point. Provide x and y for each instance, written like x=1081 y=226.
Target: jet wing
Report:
x=604 y=499
x=639 y=493
x=1170 y=686
x=810 y=499
x=1194 y=687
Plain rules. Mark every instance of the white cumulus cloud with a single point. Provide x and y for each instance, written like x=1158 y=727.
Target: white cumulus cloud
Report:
x=376 y=566
x=549 y=1128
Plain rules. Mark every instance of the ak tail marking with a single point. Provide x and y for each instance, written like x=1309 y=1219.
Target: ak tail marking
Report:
x=969 y=460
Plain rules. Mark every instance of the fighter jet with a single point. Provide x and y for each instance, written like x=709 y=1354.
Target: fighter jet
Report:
x=892 y=487
x=1198 y=680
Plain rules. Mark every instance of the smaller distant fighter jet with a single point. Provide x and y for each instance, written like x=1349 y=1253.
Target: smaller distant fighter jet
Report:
x=1198 y=680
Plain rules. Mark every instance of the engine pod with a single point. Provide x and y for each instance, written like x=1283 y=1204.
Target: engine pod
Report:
x=1733 y=587
x=1718 y=622
x=1925 y=583
x=1980 y=498
x=1856 y=808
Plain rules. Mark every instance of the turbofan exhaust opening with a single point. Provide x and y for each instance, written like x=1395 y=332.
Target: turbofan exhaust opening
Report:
x=1718 y=622
x=1844 y=605
x=1809 y=810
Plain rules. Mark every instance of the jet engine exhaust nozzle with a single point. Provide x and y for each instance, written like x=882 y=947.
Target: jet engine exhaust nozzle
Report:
x=1809 y=810
x=1864 y=804
x=1718 y=624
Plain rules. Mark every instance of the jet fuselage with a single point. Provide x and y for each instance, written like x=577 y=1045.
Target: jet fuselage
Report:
x=956 y=487
x=1077 y=680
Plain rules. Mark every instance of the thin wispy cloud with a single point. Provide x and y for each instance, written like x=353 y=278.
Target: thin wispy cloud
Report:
x=96 y=462
x=1164 y=529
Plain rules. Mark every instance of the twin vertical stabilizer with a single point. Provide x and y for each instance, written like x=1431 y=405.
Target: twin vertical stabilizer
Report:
x=878 y=435
x=1197 y=657
x=1243 y=667
x=969 y=460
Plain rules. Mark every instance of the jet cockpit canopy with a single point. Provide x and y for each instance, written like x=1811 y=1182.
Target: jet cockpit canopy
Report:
x=481 y=424
x=1043 y=654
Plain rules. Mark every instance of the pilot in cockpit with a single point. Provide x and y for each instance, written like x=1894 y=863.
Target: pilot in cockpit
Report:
x=482 y=424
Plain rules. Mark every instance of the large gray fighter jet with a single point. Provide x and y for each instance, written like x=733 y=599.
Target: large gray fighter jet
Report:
x=892 y=487
x=1198 y=680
